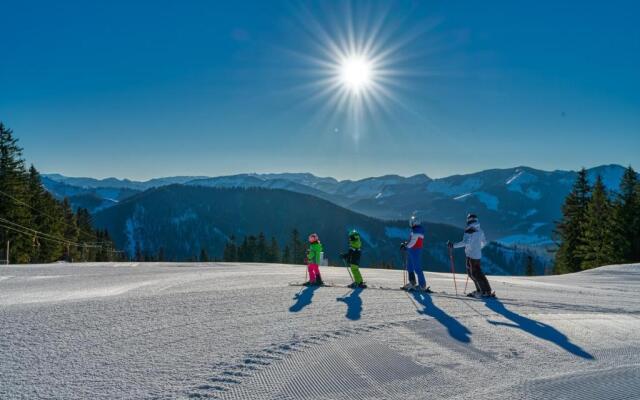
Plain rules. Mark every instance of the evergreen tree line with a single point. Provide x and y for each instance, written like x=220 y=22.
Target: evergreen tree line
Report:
x=597 y=227
x=34 y=226
x=259 y=249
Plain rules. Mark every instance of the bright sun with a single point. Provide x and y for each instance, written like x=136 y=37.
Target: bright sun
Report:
x=355 y=73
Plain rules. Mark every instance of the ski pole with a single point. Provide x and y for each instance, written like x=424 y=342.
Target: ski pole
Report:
x=453 y=270
x=348 y=270
x=406 y=268
x=467 y=281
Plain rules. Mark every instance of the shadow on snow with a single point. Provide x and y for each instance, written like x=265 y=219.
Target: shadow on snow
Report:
x=535 y=328
x=456 y=330
x=354 y=304
x=303 y=298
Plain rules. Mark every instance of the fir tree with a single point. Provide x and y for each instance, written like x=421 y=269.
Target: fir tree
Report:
x=46 y=217
x=274 y=251
x=626 y=217
x=286 y=255
x=70 y=232
x=298 y=253
x=261 y=253
x=569 y=229
x=597 y=247
x=86 y=236
x=530 y=269
x=138 y=252
x=230 y=253
x=39 y=227
x=204 y=256
x=14 y=192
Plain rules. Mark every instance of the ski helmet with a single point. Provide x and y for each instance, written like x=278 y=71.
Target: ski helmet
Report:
x=413 y=221
x=471 y=218
x=314 y=238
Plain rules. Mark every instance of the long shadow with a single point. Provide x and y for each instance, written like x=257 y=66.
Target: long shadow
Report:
x=456 y=330
x=535 y=328
x=303 y=298
x=354 y=304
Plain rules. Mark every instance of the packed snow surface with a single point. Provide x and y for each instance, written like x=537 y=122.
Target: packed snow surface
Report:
x=240 y=331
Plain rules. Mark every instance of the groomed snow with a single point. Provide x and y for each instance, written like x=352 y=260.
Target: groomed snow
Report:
x=233 y=331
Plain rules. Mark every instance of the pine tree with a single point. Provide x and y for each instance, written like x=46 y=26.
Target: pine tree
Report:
x=161 y=256
x=569 y=229
x=274 y=251
x=138 y=252
x=86 y=235
x=230 y=253
x=14 y=216
x=204 y=256
x=530 y=269
x=598 y=247
x=286 y=255
x=38 y=227
x=298 y=253
x=261 y=248
x=252 y=249
x=70 y=232
x=626 y=217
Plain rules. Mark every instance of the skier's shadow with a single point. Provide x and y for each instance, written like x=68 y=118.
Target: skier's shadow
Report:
x=303 y=298
x=455 y=329
x=354 y=304
x=535 y=328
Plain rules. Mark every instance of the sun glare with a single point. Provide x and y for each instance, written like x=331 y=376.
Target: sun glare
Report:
x=356 y=73
x=357 y=65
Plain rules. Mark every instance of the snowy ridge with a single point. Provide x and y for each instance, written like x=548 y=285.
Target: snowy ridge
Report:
x=509 y=201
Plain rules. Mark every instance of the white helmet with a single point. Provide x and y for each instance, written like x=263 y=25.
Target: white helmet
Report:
x=413 y=221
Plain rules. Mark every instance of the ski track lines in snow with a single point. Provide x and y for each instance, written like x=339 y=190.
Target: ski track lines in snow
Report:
x=240 y=332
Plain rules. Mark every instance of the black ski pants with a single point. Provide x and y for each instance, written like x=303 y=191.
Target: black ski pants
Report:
x=477 y=276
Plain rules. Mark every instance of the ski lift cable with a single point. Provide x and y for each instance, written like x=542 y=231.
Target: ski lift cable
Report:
x=43 y=213
x=43 y=235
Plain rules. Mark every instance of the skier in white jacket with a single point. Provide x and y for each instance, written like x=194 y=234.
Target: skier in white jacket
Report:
x=473 y=241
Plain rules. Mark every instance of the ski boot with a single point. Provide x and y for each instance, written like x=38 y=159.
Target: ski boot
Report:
x=475 y=294
x=424 y=289
x=362 y=285
x=409 y=287
x=309 y=283
x=352 y=285
x=488 y=295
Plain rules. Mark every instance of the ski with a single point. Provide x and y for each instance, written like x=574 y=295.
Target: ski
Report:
x=399 y=289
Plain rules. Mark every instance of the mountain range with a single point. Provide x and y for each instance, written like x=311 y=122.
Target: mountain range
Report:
x=517 y=206
x=184 y=219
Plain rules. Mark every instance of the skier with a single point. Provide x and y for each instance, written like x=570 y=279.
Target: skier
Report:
x=473 y=241
x=414 y=250
x=353 y=259
x=314 y=255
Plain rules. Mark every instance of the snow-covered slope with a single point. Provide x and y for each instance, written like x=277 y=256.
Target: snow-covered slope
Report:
x=241 y=332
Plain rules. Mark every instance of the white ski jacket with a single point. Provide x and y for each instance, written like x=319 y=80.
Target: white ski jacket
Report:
x=473 y=242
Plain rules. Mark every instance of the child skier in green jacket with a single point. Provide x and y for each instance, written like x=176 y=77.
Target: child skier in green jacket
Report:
x=353 y=258
x=314 y=257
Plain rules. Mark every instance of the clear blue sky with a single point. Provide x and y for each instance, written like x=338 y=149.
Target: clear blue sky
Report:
x=145 y=89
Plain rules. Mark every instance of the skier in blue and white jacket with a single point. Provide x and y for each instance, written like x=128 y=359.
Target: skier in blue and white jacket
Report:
x=473 y=241
x=414 y=254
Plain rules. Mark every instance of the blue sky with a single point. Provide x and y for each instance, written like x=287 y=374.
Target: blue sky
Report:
x=145 y=89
